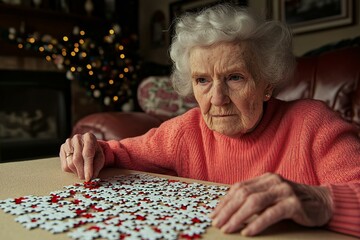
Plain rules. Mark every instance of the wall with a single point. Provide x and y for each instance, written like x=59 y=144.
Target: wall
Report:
x=309 y=41
x=302 y=42
x=157 y=54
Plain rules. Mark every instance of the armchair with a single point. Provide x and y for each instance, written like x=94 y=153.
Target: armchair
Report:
x=332 y=76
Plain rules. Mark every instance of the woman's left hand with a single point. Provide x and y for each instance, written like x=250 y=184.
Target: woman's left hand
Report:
x=256 y=204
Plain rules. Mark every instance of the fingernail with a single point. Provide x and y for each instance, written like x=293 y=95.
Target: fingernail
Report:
x=245 y=232
x=215 y=222
x=225 y=228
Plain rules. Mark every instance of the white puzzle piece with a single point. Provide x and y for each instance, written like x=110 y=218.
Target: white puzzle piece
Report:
x=135 y=206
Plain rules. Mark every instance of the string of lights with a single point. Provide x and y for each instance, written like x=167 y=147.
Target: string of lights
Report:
x=105 y=64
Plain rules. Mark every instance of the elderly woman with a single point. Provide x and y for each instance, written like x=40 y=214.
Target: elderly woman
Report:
x=286 y=160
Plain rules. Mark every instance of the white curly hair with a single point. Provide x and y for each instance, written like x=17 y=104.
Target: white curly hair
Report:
x=269 y=43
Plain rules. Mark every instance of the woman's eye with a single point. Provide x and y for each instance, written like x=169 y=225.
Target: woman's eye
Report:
x=201 y=80
x=235 y=77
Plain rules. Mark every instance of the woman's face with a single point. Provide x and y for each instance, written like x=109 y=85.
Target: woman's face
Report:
x=230 y=99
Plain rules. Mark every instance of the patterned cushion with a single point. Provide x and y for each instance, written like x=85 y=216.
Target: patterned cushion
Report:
x=157 y=97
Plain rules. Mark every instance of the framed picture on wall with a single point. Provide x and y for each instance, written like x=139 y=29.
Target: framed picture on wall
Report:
x=312 y=15
x=181 y=6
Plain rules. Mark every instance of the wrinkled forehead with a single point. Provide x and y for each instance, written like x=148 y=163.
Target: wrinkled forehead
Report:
x=227 y=53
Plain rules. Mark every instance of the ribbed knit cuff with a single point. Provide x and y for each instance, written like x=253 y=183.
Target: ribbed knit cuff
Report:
x=346 y=208
x=109 y=156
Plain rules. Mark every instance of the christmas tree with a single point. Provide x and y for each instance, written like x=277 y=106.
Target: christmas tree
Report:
x=104 y=63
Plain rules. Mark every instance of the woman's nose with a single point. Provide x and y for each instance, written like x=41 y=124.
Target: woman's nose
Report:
x=219 y=95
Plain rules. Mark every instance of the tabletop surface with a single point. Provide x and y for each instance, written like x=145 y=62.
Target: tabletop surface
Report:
x=40 y=177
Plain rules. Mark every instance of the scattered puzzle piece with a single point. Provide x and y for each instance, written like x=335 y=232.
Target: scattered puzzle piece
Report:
x=136 y=206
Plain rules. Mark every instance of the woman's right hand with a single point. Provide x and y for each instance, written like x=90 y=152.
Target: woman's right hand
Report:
x=82 y=155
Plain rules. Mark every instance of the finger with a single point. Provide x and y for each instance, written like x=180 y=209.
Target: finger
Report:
x=270 y=216
x=62 y=155
x=258 y=184
x=231 y=219
x=234 y=189
x=254 y=204
x=99 y=161
x=77 y=157
x=68 y=159
x=90 y=144
x=230 y=205
x=68 y=148
x=283 y=205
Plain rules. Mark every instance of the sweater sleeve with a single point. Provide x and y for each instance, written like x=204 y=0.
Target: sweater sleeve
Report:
x=346 y=209
x=336 y=158
x=157 y=151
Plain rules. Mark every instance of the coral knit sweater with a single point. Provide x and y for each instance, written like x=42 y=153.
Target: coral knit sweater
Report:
x=303 y=141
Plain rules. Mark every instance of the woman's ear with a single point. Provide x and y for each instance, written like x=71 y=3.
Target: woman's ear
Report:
x=268 y=92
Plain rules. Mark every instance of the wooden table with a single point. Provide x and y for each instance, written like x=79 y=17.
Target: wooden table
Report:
x=40 y=177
